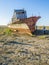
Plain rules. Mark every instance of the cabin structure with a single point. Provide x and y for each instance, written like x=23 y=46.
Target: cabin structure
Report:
x=19 y=14
x=21 y=24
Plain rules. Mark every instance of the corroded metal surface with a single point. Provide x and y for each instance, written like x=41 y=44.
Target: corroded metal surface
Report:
x=27 y=25
x=31 y=21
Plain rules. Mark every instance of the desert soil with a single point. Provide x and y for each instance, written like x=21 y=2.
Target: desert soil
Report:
x=24 y=50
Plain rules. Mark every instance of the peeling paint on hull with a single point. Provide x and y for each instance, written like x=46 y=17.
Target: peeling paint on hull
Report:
x=20 y=28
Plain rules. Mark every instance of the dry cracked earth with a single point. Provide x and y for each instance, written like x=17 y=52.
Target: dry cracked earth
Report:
x=23 y=50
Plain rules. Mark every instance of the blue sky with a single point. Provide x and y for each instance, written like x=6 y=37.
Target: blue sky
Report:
x=33 y=8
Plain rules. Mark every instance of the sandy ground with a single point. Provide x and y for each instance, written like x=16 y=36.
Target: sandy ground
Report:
x=24 y=50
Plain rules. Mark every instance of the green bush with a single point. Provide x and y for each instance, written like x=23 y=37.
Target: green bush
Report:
x=42 y=37
x=7 y=31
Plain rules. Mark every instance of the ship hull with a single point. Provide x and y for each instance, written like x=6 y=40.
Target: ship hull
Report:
x=20 y=28
x=24 y=25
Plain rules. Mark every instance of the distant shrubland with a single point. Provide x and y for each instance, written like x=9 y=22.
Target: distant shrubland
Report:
x=5 y=30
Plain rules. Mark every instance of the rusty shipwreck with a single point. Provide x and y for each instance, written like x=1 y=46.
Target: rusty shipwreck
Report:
x=21 y=24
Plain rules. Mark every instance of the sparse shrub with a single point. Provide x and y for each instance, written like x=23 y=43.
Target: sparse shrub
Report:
x=42 y=37
x=7 y=31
